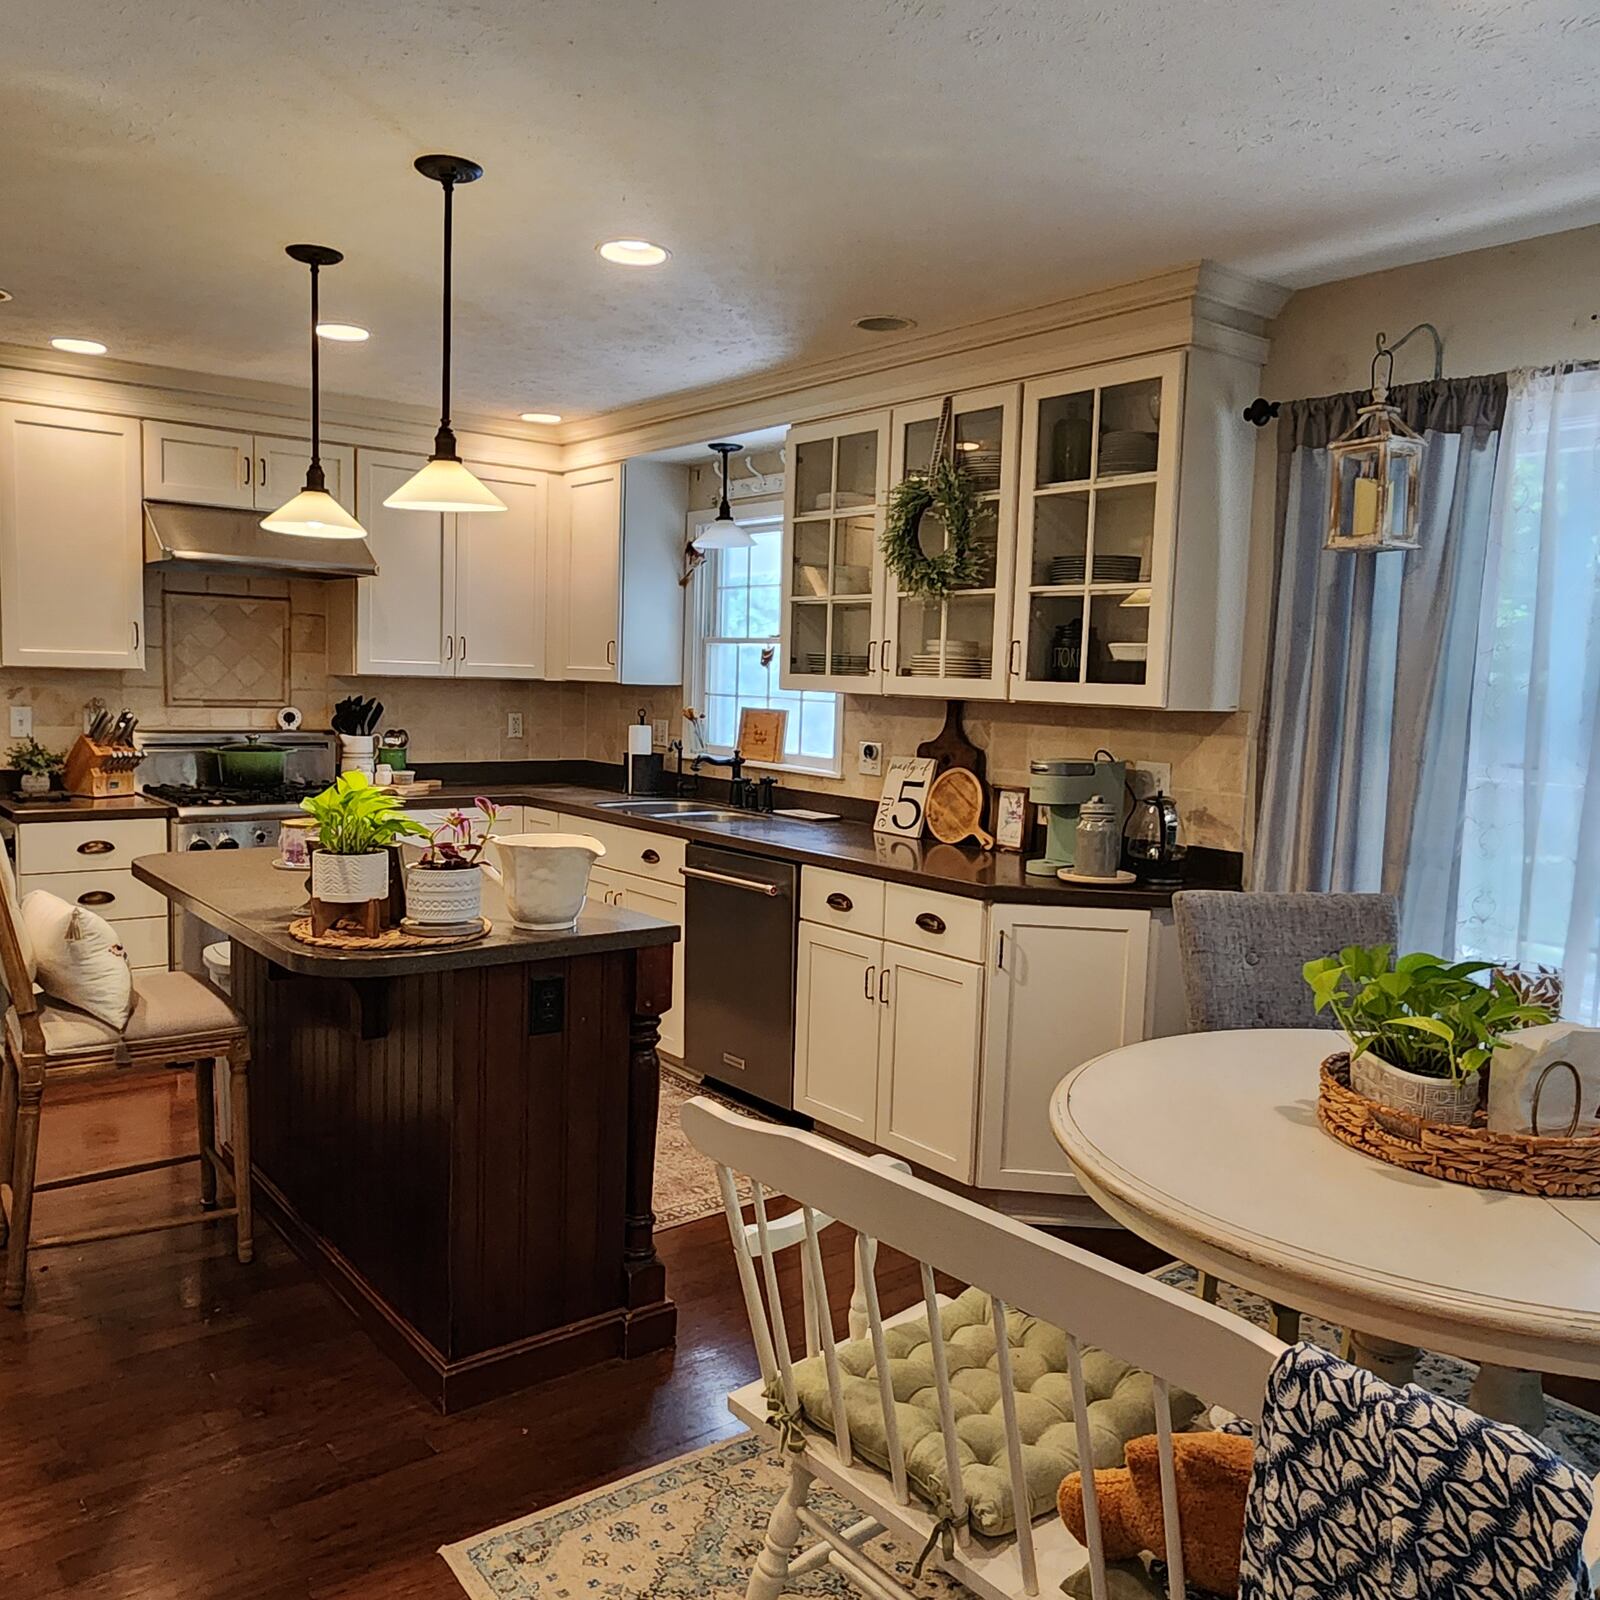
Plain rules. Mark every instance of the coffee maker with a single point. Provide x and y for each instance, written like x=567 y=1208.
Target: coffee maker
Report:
x=1061 y=787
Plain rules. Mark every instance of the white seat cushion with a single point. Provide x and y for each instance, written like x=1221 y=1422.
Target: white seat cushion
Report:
x=167 y=1007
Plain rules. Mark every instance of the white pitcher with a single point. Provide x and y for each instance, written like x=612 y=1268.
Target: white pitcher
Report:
x=545 y=876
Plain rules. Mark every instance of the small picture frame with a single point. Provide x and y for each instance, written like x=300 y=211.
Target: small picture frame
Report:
x=761 y=735
x=1011 y=811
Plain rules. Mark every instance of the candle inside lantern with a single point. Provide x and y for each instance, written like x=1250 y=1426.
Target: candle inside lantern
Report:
x=1364 y=499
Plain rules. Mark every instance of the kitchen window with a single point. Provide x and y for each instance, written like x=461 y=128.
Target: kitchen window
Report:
x=736 y=603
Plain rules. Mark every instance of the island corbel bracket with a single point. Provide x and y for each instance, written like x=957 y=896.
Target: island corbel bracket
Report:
x=372 y=1006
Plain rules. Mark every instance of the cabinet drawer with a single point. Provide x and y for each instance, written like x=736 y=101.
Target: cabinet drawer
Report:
x=116 y=894
x=87 y=846
x=947 y=924
x=634 y=850
x=145 y=940
x=842 y=900
x=535 y=818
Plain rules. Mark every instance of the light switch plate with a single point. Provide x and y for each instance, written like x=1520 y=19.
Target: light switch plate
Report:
x=21 y=722
x=660 y=731
x=513 y=724
x=1146 y=777
x=869 y=759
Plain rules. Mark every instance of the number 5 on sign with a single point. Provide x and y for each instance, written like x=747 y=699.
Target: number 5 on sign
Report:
x=905 y=796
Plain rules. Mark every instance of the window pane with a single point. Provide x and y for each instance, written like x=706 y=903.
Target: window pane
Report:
x=722 y=668
x=722 y=719
x=734 y=568
x=817 y=720
x=753 y=677
x=764 y=607
x=766 y=556
x=731 y=613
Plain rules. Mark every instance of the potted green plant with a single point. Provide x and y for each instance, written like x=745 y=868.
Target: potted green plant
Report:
x=37 y=765
x=446 y=885
x=1421 y=1029
x=357 y=821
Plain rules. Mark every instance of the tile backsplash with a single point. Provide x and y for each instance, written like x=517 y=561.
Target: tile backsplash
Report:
x=452 y=719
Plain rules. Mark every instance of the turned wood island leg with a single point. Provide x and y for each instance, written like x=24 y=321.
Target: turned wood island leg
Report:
x=645 y=1277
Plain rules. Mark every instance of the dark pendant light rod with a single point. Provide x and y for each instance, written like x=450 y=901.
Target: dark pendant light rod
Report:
x=724 y=512
x=447 y=172
x=315 y=256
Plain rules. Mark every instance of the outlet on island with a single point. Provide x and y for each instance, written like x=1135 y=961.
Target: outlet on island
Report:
x=513 y=724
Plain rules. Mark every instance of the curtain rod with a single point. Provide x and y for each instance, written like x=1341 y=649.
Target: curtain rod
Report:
x=1261 y=410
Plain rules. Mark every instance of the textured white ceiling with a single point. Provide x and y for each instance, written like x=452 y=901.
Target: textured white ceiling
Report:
x=807 y=161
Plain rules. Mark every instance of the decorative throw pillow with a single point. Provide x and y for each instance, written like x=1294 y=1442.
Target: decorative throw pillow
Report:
x=81 y=962
x=8 y=888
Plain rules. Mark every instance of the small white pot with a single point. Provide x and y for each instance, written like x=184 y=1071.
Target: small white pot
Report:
x=1451 y=1100
x=444 y=895
x=348 y=880
x=34 y=782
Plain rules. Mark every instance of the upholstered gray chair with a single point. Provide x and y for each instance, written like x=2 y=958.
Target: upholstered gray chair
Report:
x=1241 y=956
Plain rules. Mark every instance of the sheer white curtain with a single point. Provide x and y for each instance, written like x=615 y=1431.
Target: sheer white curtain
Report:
x=1529 y=888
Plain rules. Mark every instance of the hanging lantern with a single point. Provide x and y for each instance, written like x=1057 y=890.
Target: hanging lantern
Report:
x=1375 y=478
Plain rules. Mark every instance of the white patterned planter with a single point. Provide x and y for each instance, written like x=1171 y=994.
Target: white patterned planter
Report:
x=444 y=895
x=1451 y=1100
x=348 y=880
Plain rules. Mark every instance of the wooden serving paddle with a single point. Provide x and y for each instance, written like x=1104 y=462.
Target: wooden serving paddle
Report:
x=955 y=808
x=950 y=746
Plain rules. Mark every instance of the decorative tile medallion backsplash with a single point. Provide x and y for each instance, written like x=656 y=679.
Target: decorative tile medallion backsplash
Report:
x=226 y=650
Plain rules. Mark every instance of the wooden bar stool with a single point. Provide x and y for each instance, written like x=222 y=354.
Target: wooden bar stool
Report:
x=178 y=1021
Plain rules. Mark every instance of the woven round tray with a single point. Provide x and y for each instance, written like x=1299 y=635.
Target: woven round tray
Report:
x=389 y=939
x=1521 y=1163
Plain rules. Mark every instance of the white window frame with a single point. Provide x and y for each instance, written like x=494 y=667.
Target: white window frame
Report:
x=702 y=593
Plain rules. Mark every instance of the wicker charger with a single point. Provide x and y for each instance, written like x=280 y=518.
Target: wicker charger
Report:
x=1522 y=1163
x=340 y=938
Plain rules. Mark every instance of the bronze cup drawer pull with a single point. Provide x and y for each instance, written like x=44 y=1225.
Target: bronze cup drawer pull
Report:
x=96 y=847
x=96 y=897
x=929 y=922
x=650 y=856
x=840 y=902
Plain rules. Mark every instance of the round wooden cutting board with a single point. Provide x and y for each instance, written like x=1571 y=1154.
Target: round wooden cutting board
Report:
x=955 y=808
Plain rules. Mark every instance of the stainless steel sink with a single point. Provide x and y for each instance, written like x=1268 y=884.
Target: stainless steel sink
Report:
x=683 y=810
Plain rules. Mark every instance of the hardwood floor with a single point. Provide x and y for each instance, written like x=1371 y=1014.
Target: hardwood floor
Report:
x=173 y=1424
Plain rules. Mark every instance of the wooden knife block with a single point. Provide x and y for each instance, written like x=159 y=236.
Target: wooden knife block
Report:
x=100 y=771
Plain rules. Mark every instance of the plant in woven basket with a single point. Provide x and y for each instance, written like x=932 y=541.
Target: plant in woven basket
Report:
x=1420 y=1013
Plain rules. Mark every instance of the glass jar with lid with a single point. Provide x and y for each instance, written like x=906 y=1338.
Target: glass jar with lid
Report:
x=1097 y=846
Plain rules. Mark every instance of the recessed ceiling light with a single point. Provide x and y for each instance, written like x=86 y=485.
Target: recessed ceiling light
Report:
x=884 y=324
x=633 y=252
x=342 y=332
x=80 y=347
x=541 y=416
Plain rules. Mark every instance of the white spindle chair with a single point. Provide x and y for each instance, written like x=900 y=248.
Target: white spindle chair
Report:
x=1176 y=1337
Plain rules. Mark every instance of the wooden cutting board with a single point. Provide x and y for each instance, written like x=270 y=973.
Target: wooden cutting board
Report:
x=955 y=808
x=950 y=746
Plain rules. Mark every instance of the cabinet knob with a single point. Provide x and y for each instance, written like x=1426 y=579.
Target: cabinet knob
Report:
x=96 y=847
x=652 y=856
x=841 y=902
x=930 y=923
x=96 y=897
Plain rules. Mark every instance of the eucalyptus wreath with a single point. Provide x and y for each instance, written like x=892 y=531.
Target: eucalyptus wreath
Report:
x=945 y=489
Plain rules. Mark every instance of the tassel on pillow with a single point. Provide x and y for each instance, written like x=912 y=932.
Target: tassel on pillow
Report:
x=81 y=960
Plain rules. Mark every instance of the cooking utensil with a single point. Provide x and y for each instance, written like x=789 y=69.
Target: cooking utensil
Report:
x=250 y=765
x=955 y=808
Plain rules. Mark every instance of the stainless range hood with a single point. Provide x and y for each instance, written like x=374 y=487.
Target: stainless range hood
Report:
x=179 y=537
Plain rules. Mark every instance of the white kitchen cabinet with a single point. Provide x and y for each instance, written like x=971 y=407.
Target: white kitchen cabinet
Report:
x=250 y=471
x=616 y=578
x=71 y=546
x=455 y=596
x=957 y=646
x=837 y=1027
x=1065 y=984
x=833 y=576
x=665 y=901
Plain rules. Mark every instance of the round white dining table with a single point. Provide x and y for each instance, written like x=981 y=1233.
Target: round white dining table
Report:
x=1208 y=1145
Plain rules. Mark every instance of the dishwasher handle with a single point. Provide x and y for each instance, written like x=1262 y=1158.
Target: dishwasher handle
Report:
x=754 y=885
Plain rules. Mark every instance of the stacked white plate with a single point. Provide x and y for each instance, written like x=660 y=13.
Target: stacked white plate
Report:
x=1107 y=569
x=963 y=658
x=816 y=662
x=1124 y=450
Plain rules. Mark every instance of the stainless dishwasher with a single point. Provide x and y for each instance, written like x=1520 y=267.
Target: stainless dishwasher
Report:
x=739 y=933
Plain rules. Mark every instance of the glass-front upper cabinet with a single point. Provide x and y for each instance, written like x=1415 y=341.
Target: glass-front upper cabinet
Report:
x=834 y=488
x=1095 y=531
x=955 y=647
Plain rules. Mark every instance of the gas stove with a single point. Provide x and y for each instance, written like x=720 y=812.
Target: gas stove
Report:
x=201 y=799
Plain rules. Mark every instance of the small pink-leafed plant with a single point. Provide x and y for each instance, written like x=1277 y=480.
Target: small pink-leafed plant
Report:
x=452 y=845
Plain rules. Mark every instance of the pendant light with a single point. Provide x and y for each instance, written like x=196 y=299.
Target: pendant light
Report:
x=724 y=533
x=444 y=484
x=314 y=513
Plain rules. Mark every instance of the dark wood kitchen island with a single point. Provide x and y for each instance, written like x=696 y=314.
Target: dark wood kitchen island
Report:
x=460 y=1141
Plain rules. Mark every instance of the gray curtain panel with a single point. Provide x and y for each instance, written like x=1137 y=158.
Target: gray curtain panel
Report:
x=1369 y=681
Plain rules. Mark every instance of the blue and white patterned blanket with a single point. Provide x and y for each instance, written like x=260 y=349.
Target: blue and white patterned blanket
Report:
x=1361 y=1491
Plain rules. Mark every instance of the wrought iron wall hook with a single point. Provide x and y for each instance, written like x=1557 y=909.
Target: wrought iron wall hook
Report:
x=1385 y=352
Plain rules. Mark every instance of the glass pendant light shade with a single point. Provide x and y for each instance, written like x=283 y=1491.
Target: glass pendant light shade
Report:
x=445 y=484
x=724 y=533
x=314 y=513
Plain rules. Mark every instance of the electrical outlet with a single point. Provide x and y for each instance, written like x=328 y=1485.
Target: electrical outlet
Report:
x=21 y=722
x=660 y=732
x=869 y=759
x=1146 y=777
x=513 y=724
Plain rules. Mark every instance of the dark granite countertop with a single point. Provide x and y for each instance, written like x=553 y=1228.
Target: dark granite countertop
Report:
x=846 y=845
x=243 y=895
x=73 y=808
